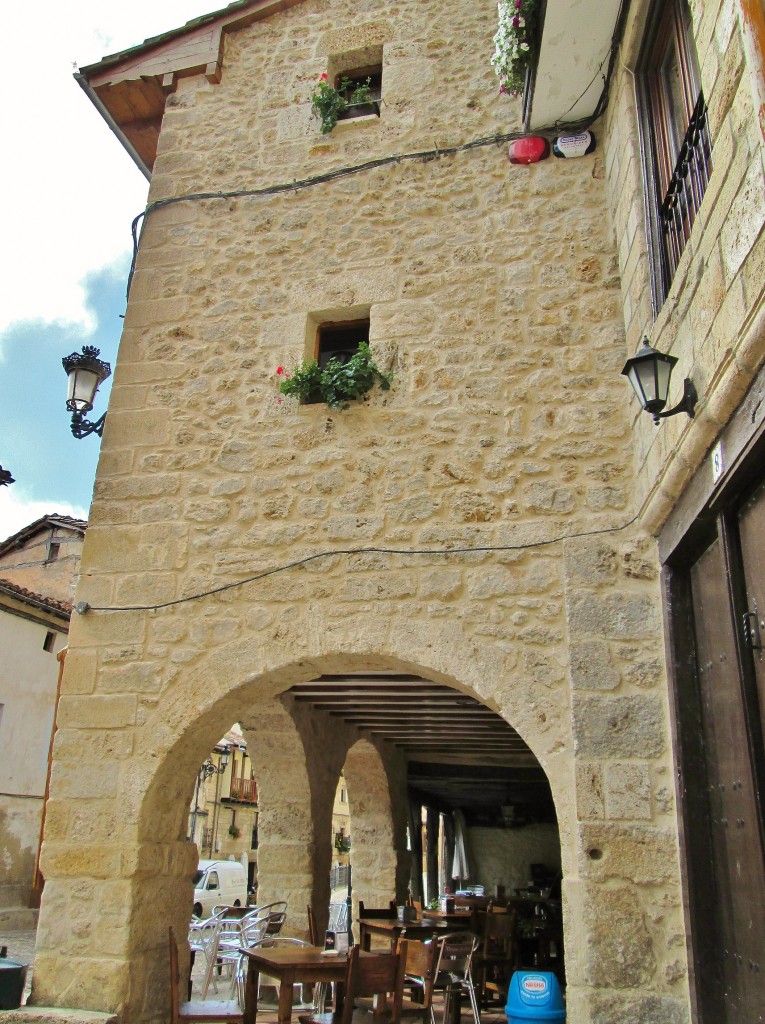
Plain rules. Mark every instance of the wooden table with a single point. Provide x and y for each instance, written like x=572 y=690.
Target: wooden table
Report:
x=455 y=919
x=290 y=965
x=392 y=928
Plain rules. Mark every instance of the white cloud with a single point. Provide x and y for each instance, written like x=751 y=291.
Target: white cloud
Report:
x=70 y=189
x=16 y=511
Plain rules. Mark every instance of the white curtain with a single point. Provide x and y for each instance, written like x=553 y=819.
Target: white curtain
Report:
x=460 y=867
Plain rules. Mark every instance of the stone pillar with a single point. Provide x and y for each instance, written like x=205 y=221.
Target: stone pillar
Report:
x=288 y=822
x=625 y=949
x=373 y=848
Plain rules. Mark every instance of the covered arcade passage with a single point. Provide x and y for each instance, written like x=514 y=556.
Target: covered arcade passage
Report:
x=301 y=733
x=464 y=763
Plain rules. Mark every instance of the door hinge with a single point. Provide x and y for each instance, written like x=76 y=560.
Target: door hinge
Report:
x=752 y=631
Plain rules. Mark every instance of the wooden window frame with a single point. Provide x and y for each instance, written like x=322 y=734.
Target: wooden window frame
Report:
x=329 y=334
x=675 y=140
x=358 y=76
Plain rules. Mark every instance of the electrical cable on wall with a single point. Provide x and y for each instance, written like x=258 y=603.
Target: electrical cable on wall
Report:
x=82 y=607
x=297 y=185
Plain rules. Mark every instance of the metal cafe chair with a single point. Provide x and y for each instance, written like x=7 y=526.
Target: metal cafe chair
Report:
x=198 y=1011
x=454 y=970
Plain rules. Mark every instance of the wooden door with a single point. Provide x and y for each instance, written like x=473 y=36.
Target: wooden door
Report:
x=751 y=524
x=735 y=939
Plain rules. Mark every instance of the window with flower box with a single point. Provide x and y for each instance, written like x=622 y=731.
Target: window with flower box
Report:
x=677 y=147
x=340 y=341
x=361 y=89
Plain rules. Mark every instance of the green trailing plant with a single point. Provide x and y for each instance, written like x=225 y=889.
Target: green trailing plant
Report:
x=329 y=103
x=337 y=383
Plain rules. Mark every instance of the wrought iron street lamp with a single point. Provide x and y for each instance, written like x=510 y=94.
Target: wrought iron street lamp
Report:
x=5 y=477
x=86 y=372
x=649 y=373
x=206 y=771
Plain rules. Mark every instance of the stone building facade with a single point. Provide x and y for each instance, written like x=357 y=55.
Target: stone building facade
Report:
x=499 y=297
x=38 y=570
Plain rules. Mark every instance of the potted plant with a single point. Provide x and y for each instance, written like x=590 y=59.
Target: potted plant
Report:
x=329 y=103
x=338 y=383
x=234 y=832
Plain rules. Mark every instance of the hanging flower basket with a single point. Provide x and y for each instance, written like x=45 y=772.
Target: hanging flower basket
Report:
x=516 y=43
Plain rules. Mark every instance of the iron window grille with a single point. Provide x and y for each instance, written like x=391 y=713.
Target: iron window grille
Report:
x=677 y=146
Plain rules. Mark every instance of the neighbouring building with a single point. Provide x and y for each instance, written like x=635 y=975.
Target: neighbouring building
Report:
x=223 y=817
x=497 y=582
x=38 y=570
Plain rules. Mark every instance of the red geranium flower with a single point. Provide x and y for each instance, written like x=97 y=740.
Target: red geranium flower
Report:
x=279 y=371
x=323 y=77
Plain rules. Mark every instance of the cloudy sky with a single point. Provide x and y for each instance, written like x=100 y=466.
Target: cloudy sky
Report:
x=71 y=192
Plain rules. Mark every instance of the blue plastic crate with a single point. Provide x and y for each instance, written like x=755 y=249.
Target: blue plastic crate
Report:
x=534 y=995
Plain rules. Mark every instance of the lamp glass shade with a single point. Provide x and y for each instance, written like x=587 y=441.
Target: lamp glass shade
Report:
x=224 y=758
x=649 y=373
x=84 y=371
x=83 y=384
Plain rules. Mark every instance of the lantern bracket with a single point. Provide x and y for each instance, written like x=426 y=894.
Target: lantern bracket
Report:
x=686 y=404
x=82 y=427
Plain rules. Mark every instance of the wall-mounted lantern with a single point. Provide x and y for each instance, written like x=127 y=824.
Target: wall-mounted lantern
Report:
x=649 y=373
x=85 y=371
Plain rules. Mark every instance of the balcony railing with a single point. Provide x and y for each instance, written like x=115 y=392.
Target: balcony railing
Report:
x=245 y=790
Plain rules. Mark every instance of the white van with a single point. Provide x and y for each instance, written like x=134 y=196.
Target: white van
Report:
x=219 y=882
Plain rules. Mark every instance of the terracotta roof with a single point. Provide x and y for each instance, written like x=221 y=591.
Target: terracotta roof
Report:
x=17 y=540
x=63 y=608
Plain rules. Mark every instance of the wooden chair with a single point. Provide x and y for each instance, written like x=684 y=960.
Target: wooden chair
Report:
x=379 y=975
x=494 y=960
x=197 y=1010
x=379 y=912
x=320 y=988
x=420 y=964
x=313 y=934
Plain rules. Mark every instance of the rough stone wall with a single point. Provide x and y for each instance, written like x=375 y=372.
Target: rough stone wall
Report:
x=502 y=856
x=712 y=319
x=492 y=293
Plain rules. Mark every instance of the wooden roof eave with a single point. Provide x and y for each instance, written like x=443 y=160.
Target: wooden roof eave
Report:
x=130 y=88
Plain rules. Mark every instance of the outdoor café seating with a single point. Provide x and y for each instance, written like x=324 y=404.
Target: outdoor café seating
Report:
x=204 y=937
x=379 y=975
x=199 y=1011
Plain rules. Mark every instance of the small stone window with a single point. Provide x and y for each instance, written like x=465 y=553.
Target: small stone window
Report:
x=349 y=82
x=49 y=641
x=54 y=548
x=340 y=341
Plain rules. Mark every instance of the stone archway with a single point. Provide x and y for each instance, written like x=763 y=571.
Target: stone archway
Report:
x=128 y=876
